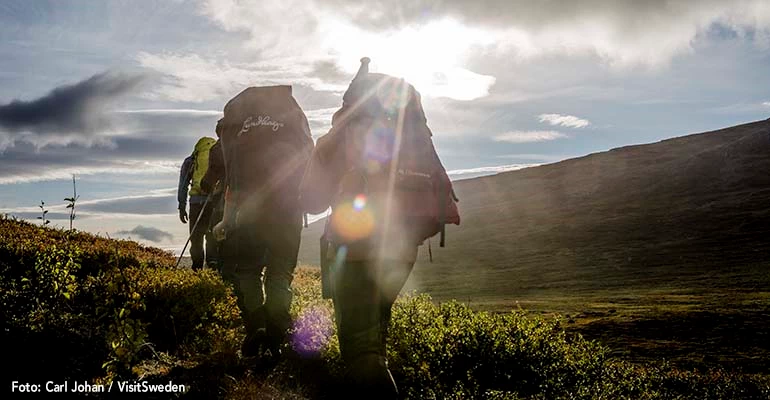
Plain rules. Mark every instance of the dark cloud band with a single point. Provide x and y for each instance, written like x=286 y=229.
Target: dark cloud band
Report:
x=148 y=233
x=69 y=109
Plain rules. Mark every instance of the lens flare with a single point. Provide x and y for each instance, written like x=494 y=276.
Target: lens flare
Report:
x=394 y=98
x=340 y=257
x=359 y=202
x=311 y=331
x=352 y=223
x=373 y=167
x=380 y=141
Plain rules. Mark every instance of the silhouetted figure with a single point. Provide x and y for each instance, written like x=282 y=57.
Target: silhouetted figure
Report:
x=267 y=144
x=378 y=170
x=213 y=182
x=193 y=169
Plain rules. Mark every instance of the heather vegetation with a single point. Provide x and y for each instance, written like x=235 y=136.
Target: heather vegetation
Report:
x=78 y=306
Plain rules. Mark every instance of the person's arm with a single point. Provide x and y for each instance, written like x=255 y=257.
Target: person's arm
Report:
x=318 y=183
x=185 y=175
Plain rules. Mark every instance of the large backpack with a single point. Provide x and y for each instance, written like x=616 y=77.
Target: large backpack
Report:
x=394 y=186
x=266 y=142
x=200 y=158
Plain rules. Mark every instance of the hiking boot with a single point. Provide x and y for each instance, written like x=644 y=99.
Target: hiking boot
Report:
x=253 y=343
x=214 y=265
x=269 y=358
x=256 y=333
x=369 y=376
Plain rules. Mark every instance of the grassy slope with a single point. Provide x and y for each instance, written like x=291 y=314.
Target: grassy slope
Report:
x=192 y=331
x=658 y=250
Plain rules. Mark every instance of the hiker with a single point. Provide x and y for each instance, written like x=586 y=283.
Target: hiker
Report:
x=213 y=183
x=266 y=141
x=193 y=169
x=378 y=170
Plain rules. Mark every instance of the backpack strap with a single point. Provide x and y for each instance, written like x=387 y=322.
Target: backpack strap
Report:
x=194 y=156
x=189 y=175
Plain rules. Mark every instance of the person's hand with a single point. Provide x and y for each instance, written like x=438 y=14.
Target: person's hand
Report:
x=183 y=215
x=219 y=230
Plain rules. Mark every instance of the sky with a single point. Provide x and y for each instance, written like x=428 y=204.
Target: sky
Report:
x=118 y=92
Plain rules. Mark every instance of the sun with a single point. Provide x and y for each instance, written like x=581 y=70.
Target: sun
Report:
x=428 y=56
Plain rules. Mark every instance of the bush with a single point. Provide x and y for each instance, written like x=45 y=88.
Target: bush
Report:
x=76 y=306
x=181 y=312
x=450 y=349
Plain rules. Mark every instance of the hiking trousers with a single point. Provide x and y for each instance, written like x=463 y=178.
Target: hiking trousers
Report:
x=364 y=293
x=198 y=235
x=260 y=259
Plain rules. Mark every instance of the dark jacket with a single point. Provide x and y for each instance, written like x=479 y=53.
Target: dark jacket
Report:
x=185 y=177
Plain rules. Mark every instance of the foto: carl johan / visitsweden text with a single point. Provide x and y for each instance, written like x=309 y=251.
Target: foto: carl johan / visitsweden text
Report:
x=86 y=387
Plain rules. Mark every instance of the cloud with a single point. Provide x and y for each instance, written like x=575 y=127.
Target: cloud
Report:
x=322 y=47
x=173 y=111
x=444 y=48
x=622 y=32
x=68 y=113
x=32 y=215
x=54 y=168
x=468 y=173
x=320 y=120
x=429 y=55
x=148 y=233
x=528 y=136
x=155 y=202
x=265 y=22
x=193 y=78
x=569 y=121
x=741 y=108
x=329 y=71
x=155 y=145
x=535 y=157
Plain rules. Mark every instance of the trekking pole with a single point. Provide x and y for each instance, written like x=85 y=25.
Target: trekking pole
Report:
x=200 y=214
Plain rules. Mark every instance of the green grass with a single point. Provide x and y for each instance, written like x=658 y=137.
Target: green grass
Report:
x=718 y=321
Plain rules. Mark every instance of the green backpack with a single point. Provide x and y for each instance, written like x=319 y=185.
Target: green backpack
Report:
x=200 y=164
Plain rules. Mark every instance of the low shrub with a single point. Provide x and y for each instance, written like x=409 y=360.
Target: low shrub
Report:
x=76 y=306
x=444 y=349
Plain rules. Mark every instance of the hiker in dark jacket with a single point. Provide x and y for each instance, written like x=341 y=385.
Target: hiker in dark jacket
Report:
x=213 y=183
x=381 y=198
x=266 y=141
x=191 y=174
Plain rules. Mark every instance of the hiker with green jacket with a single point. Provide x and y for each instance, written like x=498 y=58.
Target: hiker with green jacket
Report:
x=378 y=171
x=191 y=174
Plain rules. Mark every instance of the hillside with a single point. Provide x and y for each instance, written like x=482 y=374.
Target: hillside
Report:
x=633 y=216
x=658 y=250
x=77 y=307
